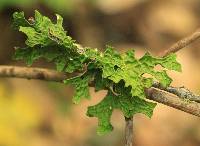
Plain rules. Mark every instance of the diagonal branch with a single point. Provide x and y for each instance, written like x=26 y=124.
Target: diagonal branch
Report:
x=182 y=43
x=181 y=92
x=173 y=99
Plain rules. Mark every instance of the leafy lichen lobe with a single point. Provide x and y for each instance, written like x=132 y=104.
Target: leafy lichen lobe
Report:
x=122 y=75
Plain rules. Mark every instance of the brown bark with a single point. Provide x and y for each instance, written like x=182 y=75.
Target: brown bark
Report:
x=156 y=94
x=182 y=43
x=174 y=101
x=129 y=132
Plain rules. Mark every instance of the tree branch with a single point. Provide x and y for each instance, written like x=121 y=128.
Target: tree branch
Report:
x=182 y=43
x=174 y=101
x=159 y=95
x=31 y=73
x=181 y=92
x=129 y=131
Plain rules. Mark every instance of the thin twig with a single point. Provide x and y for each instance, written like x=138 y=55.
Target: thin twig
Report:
x=182 y=43
x=31 y=73
x=129 y=132
x=51 y=75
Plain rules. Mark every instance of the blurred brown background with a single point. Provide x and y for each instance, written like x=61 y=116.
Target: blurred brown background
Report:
x=38 y=113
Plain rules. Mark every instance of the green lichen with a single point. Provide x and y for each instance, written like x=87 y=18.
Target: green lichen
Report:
x=122 y=75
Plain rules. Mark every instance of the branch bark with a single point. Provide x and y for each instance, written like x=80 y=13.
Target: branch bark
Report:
x=174 y=101
x=182 y=43
x=157 y=94
x=181 y=92
x=129 y=131
x=31 y=73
